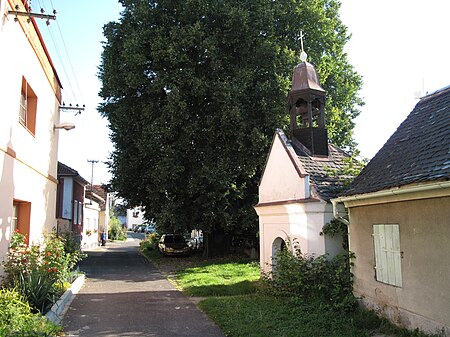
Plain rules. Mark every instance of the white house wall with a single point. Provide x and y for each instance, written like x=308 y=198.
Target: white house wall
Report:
x=280 y=180
x=90 y=223
x=28 y=162
x=298 y=223
x=133 y=221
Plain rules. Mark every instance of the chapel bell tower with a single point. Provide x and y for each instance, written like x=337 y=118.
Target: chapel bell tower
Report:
x=306 y=108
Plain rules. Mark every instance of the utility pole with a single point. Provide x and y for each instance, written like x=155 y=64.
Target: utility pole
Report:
x=92 y=161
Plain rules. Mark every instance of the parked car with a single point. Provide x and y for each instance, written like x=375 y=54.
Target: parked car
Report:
x=173 y=244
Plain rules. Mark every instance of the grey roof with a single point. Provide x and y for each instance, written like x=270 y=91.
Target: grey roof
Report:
x=66 y=171
x=324 y=172
x=418 y=152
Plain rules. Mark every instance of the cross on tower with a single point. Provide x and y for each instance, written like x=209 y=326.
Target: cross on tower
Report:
x=303 y=55
x=301 y=38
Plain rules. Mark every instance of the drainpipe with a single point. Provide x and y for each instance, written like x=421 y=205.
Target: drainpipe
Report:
x=336 y=212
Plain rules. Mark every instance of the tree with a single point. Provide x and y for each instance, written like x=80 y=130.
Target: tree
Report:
x=194 y=90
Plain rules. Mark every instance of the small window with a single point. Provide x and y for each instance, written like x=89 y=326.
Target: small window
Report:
x=21 y=218
x=75 y=212
x=386 y=240
x=80 y=213
x=28 y=107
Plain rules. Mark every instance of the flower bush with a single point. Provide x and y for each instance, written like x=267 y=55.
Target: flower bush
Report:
x=38 y=271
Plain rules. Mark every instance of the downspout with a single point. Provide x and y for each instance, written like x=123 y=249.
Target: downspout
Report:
x=336 y=212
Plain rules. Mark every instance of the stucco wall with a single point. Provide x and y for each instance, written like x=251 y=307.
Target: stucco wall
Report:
x=280 y=180
x=132 y=220
x=301 y=224
x=28 y=161
x=424 y=298
x=91 y=214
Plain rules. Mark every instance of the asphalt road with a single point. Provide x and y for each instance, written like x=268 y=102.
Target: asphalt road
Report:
x=124 y=295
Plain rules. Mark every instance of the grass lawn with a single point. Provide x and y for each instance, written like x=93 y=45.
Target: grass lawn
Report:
x=259 y=316
x=236 y=302
x=221 y=279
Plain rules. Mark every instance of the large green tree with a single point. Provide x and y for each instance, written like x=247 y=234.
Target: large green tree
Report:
x=194 y=90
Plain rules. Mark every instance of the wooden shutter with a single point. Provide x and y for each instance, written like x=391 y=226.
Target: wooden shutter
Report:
x=386 y=239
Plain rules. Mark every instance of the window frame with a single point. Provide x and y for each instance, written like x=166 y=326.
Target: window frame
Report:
x=22 y=214
x=28 y=107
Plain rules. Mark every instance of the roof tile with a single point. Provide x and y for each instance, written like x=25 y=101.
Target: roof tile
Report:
x=324 y=172
x=419 y=151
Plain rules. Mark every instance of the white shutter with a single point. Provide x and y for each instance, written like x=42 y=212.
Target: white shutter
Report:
x=386 y=239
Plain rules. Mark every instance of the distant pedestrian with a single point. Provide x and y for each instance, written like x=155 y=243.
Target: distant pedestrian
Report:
x=103 y=238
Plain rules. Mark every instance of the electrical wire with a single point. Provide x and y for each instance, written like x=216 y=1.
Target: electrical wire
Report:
x=70 y=62
x=62 y=62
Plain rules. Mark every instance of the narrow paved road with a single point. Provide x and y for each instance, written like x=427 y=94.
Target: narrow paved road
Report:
x=124 y=295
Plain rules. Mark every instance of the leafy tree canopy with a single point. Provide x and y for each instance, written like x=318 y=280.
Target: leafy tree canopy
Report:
x=194 y=90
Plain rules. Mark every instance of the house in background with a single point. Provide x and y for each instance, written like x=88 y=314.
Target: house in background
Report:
x=300 y=177
x=135 y=217
x=91 y=219
x=105 y=206
x=399 y=211
x=30 y=95
x=70 y=202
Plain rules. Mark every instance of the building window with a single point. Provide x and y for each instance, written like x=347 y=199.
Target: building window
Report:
x=386 y=239
x=21 y=218
x=15 y=218
x=80 y=212
x=28 y=107
x=75 y=212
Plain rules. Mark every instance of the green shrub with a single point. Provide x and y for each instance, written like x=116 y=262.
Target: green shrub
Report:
x=38 y=289
x=115 y=231
x=71 y=245
x=17 y=319
x=328 y=281
x=149 y=243
x=39 y=271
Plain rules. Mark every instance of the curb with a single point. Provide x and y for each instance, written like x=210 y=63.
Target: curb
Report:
x=59 y=309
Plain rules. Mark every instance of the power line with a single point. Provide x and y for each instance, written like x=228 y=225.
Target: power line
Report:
x=61 y=59
x=70 y=62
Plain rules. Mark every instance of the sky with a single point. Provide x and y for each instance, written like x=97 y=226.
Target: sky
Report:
x=399 y=47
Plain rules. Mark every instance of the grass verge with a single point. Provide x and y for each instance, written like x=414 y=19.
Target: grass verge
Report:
x=260 y=315
x=221 y=279
x=236 y=302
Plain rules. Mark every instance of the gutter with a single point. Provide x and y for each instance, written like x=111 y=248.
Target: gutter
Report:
x=395 y=191
x=398 y=191
x=336 y=212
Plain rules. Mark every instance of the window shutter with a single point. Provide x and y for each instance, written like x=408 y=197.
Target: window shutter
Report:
x=386 y=239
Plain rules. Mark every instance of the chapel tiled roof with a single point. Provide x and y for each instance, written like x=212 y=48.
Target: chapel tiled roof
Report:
x=324 y=172
x=418 y=152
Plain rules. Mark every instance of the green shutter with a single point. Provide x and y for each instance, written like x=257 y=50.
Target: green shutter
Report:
x=386 y=239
